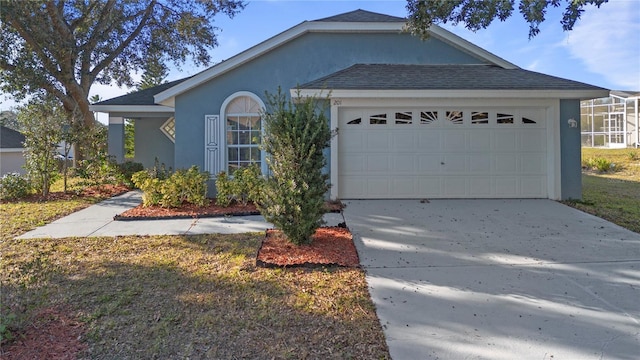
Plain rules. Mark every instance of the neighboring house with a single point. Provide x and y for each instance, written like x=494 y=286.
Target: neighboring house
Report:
x=611 y=121
x=11 y=148
x=440 y=118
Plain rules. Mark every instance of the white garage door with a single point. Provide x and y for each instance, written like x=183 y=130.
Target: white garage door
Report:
x=442 y=153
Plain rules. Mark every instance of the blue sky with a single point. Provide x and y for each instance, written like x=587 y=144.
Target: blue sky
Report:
x=602 y=50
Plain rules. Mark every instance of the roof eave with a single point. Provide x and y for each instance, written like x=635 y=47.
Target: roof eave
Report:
x=460 y=43
x=485 y=94
x=131 y=108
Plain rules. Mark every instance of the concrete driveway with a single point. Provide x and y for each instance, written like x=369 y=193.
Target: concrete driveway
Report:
x=499 y=279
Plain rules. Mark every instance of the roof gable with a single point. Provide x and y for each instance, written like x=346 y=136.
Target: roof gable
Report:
x=355 y=21
x=10 y=139
x=362 y=16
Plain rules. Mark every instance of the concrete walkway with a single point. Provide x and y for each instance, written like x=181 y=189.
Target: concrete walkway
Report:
x=499 y=279
x=97 y=220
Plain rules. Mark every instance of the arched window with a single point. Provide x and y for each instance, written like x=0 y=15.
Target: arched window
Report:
x=243 y=131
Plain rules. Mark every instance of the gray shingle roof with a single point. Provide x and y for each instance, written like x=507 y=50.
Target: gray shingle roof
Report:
x=362 y=16
x=142 y=97
x=441 y=77
x=10 y=139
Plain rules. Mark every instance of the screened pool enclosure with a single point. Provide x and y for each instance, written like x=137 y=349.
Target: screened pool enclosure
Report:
x=610 y=122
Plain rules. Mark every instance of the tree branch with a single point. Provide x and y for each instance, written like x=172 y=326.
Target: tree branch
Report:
x=117 y=51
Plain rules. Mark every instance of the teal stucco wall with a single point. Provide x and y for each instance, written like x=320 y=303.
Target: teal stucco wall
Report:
x=151 y=143
x=570 y=151
x=304 y=59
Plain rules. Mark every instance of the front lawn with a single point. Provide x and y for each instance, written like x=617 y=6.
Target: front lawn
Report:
x=171 y=297
x=613 y=195
x=190 y=297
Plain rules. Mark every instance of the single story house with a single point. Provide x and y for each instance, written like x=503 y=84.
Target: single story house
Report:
x=11 y=151
x=440 y=118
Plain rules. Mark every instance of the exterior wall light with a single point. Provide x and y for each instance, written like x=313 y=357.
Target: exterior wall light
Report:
x=572 y=123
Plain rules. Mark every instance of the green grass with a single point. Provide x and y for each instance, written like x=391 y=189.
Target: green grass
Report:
x=613 y=195
x=191 y=297
x=18 y=217
x=180 y=296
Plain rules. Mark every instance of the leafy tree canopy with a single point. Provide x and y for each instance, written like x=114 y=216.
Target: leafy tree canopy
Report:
x=479 y=14
x=62 y=47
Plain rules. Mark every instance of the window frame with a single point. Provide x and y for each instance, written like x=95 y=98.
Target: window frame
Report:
x=225 y=113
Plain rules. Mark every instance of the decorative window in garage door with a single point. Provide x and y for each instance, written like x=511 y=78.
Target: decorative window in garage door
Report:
x=504 y=118
x=404 y=117
x=428 y=117
x=479 y=118
x=356 y=121
x=378 y=119
x=455 y=117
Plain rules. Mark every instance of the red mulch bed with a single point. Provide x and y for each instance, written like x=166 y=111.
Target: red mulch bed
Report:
x=186 y=211
x=331 y=246
x=55 y=335
x=101 y=191
x=192 y=211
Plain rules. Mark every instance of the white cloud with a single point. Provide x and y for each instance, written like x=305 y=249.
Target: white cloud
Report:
x=607 y=41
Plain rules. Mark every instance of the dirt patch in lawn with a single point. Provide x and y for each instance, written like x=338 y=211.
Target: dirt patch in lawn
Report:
x=331 y=246
x=54 y=334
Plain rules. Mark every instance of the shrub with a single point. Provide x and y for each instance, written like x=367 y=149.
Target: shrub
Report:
x=151 y=187
x=224 y=189
x=246 y=186
x=127 y=169
x=182 y=186
x=633 y=156
x=295 y=137
x=185 y=186
x=599 y=164
x=102 y=169
x=14 y=186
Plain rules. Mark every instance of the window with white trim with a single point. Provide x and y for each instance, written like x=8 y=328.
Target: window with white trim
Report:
x=169 y=128
x=243 y=133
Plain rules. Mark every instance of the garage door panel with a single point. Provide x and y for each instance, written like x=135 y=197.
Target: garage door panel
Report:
x=480 y=163
x=404 y=163
x=455 y=186
x=533 y=140
x=506 y=186
x=505 y=140
x=533 y=163
x=455 y=163
x=505 y=163
x=454 y=141
x=480 y=186
x=351 y=164
x=480 y=141
x=377 y=141
x=402 y=187
x=352 y=186
x=403 y=141
x=378 y=163
x=377 y=185
x=532 y=185
x=430 y=164
x=428 y=140
x=355 y=142
x=429 y=186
